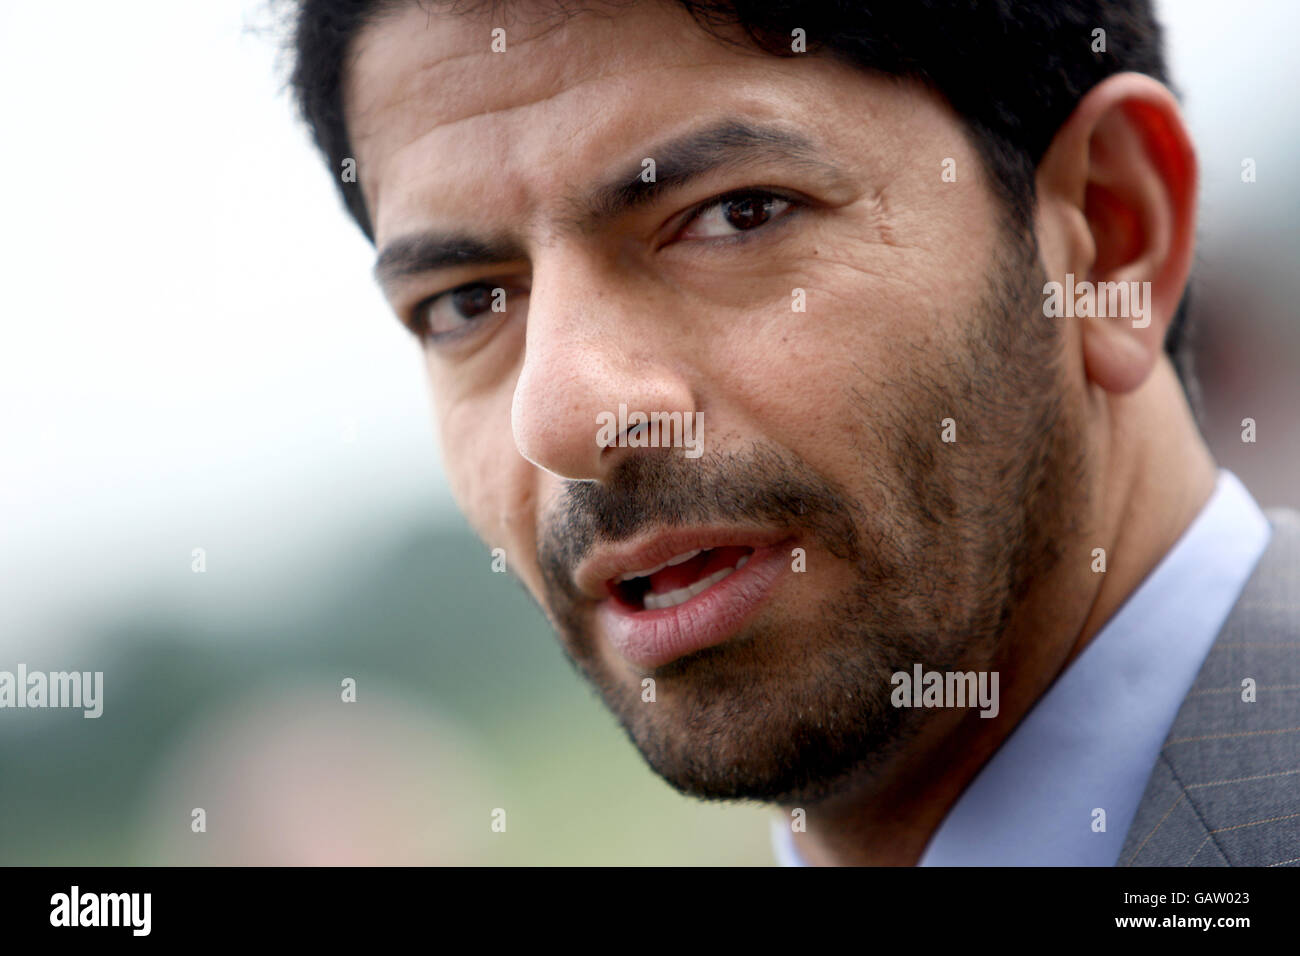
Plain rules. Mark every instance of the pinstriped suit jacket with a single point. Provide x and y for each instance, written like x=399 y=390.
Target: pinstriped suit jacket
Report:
x=1226 y=788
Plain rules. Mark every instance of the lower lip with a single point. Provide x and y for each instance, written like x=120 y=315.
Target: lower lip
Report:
x=650 y=639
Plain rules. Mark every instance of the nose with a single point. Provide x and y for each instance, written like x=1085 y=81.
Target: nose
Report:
x=595 y=340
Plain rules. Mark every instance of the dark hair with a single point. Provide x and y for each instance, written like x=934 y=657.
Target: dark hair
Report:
x=1012 y=71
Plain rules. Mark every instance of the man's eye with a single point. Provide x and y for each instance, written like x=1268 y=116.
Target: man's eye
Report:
x=456 y=309
x=736 y=213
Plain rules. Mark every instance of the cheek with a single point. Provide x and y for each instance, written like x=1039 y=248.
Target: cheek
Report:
x=475 y=455
x=494 y=486
x=852 y=381
x=819 y=381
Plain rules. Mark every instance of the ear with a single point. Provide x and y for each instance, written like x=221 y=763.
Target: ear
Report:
x=1117 y=204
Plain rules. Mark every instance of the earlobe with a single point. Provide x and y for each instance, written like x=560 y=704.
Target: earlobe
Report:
x=1113 y=359
x=1122 y=171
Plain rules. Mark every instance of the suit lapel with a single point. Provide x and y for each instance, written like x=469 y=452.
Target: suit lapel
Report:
x=1225 y=790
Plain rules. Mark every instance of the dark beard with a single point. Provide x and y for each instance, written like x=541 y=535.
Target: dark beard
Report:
x=795 y=711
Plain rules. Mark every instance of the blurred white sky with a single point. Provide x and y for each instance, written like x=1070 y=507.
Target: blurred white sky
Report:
x=189 y=321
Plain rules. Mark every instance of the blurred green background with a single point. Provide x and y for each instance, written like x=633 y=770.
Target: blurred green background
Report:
x=465 y=704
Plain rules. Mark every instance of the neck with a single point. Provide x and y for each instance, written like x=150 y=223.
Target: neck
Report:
x=1151 y=475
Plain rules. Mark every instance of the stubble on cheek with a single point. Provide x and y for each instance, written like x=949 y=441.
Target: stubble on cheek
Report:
x=924 y=550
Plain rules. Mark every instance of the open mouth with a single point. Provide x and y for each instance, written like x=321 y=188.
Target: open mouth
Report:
x=665 y=597
x=678 y=579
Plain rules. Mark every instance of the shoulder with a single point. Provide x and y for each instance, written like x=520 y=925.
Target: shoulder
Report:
x=1225 y=790
x=1264 y=626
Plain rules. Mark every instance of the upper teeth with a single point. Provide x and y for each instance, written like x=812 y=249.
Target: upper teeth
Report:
x=667 y=564
x=655 y=602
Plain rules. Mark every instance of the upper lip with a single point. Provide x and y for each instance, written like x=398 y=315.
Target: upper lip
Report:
x=654 y=548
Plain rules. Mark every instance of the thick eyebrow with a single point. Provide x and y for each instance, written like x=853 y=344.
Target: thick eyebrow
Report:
x=430 y=251
x=723 y=145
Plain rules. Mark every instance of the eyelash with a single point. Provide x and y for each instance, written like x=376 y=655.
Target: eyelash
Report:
x=745 y=235
x=418 y=327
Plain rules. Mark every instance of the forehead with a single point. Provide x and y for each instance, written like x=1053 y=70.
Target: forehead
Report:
x=444 y=127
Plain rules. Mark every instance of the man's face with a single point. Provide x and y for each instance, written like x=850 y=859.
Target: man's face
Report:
x=844 y=537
